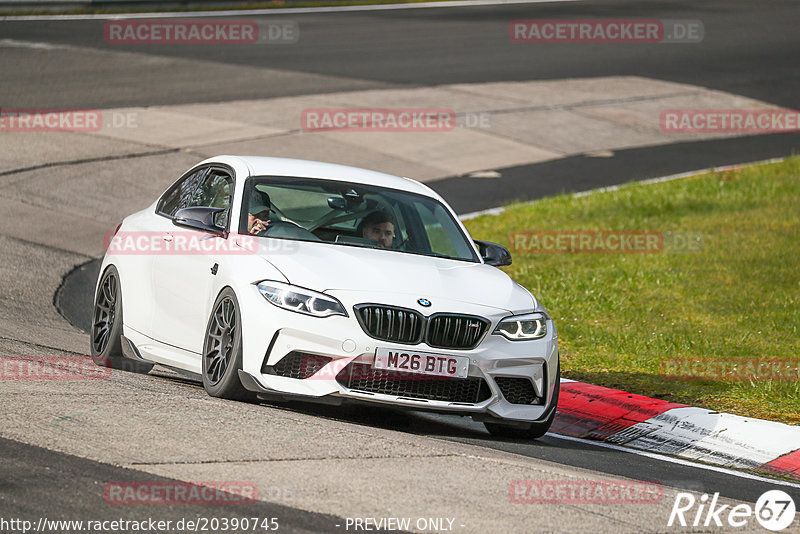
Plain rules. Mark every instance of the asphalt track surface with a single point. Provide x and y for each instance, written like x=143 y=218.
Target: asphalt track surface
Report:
x=750 y=49
x=585 y=172
x=38 y=482
x=74 y=300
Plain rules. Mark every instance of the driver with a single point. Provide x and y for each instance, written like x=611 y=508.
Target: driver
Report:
x=378 y=225
x=258 y=213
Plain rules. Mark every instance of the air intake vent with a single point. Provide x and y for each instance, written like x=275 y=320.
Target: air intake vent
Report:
x=518 y=390
x=298 y=365
x=363 y=377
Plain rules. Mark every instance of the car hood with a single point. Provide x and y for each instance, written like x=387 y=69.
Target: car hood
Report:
x=329 y=267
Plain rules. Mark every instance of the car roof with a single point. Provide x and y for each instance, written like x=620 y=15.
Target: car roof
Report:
x=269 y=166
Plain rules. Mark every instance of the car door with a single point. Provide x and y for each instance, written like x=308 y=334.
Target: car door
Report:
x=182 y=273
x=159 y=234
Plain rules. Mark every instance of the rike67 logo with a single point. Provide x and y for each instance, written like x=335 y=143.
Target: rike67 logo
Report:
x=774 y=510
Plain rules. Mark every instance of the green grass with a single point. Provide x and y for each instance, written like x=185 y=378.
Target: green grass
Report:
x=621 y=317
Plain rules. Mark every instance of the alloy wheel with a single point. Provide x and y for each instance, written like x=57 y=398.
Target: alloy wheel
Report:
x=104 y=313
x=220 y=343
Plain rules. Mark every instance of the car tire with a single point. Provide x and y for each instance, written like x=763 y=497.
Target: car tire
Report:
x=222 y=350
x=106 y=341
x=536 y=430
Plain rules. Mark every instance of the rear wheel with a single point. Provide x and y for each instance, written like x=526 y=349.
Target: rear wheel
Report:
x=107 y=326
x=222 y=350
x=537 y=430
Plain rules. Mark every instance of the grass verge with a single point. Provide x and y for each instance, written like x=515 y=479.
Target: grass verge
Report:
x=708 y=319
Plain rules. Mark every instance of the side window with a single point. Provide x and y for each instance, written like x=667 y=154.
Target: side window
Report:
x=181 y=194
x=214 y=192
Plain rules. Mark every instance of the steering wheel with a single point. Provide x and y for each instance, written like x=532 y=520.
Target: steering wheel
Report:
x=277 y=225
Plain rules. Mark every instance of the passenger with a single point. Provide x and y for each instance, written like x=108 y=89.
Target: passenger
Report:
x=258 y=213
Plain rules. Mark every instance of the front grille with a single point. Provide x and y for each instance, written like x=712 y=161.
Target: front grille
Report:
x=517 y=390
x=363 y=377
x=401 y=325
x=391 y=324
x=298 y=365
x=448 y=331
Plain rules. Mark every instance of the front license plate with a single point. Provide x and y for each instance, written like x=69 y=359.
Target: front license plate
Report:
x=423 y=363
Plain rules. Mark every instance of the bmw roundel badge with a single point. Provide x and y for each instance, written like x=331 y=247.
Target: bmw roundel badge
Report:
x=424 y=302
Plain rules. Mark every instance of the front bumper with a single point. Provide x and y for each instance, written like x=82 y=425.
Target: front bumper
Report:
x=336 y=345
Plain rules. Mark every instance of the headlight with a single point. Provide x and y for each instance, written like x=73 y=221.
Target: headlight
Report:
x=523 y=327
x=300 y=300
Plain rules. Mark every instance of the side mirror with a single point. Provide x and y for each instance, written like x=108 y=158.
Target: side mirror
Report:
x=494 y=254
x=199 y=218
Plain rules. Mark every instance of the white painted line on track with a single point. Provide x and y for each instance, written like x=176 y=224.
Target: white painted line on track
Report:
x=282 y=11
x=679 y=461
x=473 y=214
x=14 y=43
x=671 y=177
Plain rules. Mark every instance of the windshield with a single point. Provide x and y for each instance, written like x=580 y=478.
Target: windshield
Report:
x=349 y=214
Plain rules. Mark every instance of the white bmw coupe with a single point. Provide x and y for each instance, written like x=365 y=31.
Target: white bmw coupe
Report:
x=288 y=279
